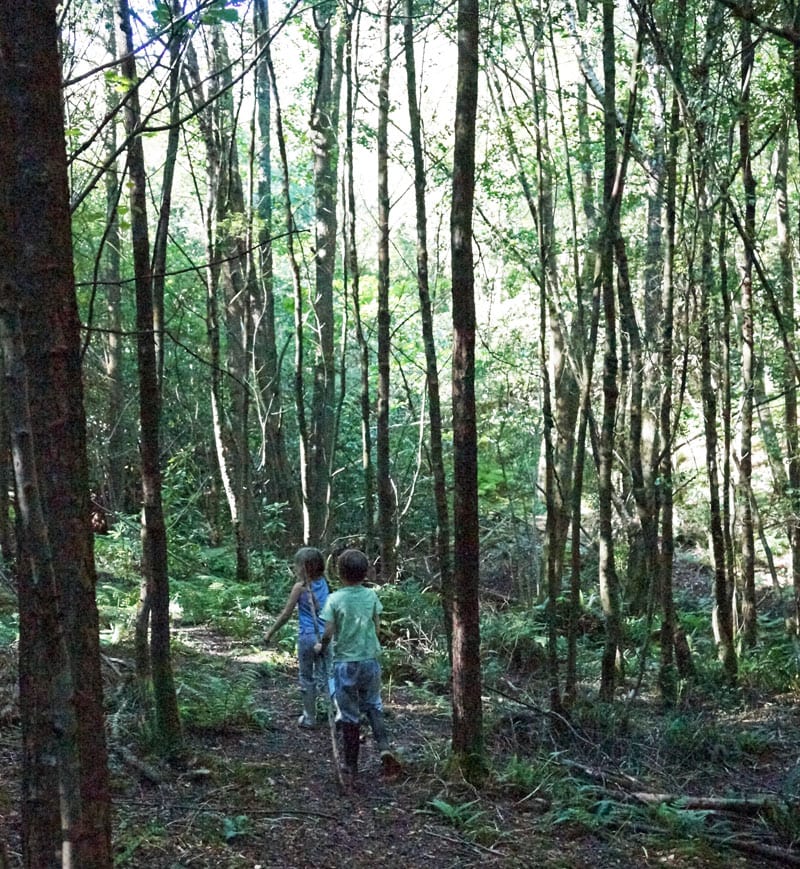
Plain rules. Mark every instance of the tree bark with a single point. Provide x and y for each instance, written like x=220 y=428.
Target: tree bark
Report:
x=791 y=381
x=387 y=507
x=353 y=268
x=114 y=471
x=749 y=613
x=153 y=530
x=609 y=582
x=65 y=789
x=280 y=486
x=467 y=709
x=324 y=139
x=229 y=290
x=426 y=316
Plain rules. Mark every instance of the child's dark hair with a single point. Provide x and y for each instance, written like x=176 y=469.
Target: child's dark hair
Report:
x=352 y=565
x=311 y=560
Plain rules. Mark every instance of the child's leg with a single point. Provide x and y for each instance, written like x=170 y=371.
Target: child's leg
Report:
x=346 y=677
x=351 y=742
x=371 y=702
x=306 y=663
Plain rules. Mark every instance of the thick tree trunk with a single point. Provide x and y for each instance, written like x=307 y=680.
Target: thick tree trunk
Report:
x=65 y=789
x=467 y=709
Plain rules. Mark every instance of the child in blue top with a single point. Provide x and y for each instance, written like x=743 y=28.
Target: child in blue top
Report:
x=308 y=595
x=352 y=617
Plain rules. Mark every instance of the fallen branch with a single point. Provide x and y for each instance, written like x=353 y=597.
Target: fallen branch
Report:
x=144 y=769
x=743 y=805
x=781 y=856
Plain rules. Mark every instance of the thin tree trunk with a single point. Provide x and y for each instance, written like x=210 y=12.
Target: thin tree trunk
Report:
x=324 y=132
x=367 y=468
x=229 y=287
x=114 y=461
x=467 y=709
x=159 y=268
x=791 y=381
x=666 y=675
x=154 y=536
x=426 y=316
x=723 y=591
x=268 y=374
x=297 y=294
x=588 y=342
x=609 y=582
x=387 y=507
x=749 y=613
x=790 y=483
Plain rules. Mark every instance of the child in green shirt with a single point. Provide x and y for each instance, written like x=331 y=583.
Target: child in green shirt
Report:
x=352 y=616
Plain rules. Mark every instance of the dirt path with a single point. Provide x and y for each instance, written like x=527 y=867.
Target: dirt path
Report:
x=268 y=797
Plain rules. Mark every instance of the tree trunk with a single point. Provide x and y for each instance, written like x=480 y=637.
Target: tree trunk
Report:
x=65 y=790
x=666 y=676
x=321 y=423
x=790 y=484
x=297 y=294
x=159 y=268
x=154 y=535
x=609 y=583
x=353 y=268
x=280 y=487
x=229 y=289
x=467 y=710
x=749 y=613
x=584 y=277
x=114 y=471
x=387 y=507
x=791 y=381
x=426 y=316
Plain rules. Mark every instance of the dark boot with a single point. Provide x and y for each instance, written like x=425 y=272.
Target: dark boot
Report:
x=390 y=765
x=375 y=717
x=350 y=744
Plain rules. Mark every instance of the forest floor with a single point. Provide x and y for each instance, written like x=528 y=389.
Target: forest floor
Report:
x=268 y=796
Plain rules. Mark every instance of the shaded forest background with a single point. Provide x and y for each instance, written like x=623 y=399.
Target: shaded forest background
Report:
x=539 y=363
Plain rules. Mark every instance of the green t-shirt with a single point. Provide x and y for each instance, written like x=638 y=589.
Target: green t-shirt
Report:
x=353 y=609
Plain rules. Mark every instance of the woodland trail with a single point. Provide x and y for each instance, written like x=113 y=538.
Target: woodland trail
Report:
x=268 y=796
x=271 y=798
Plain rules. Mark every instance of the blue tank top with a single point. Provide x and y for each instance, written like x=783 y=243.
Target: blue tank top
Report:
x=305 y=613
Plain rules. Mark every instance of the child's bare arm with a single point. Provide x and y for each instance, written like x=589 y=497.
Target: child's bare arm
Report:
x=287 y=611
